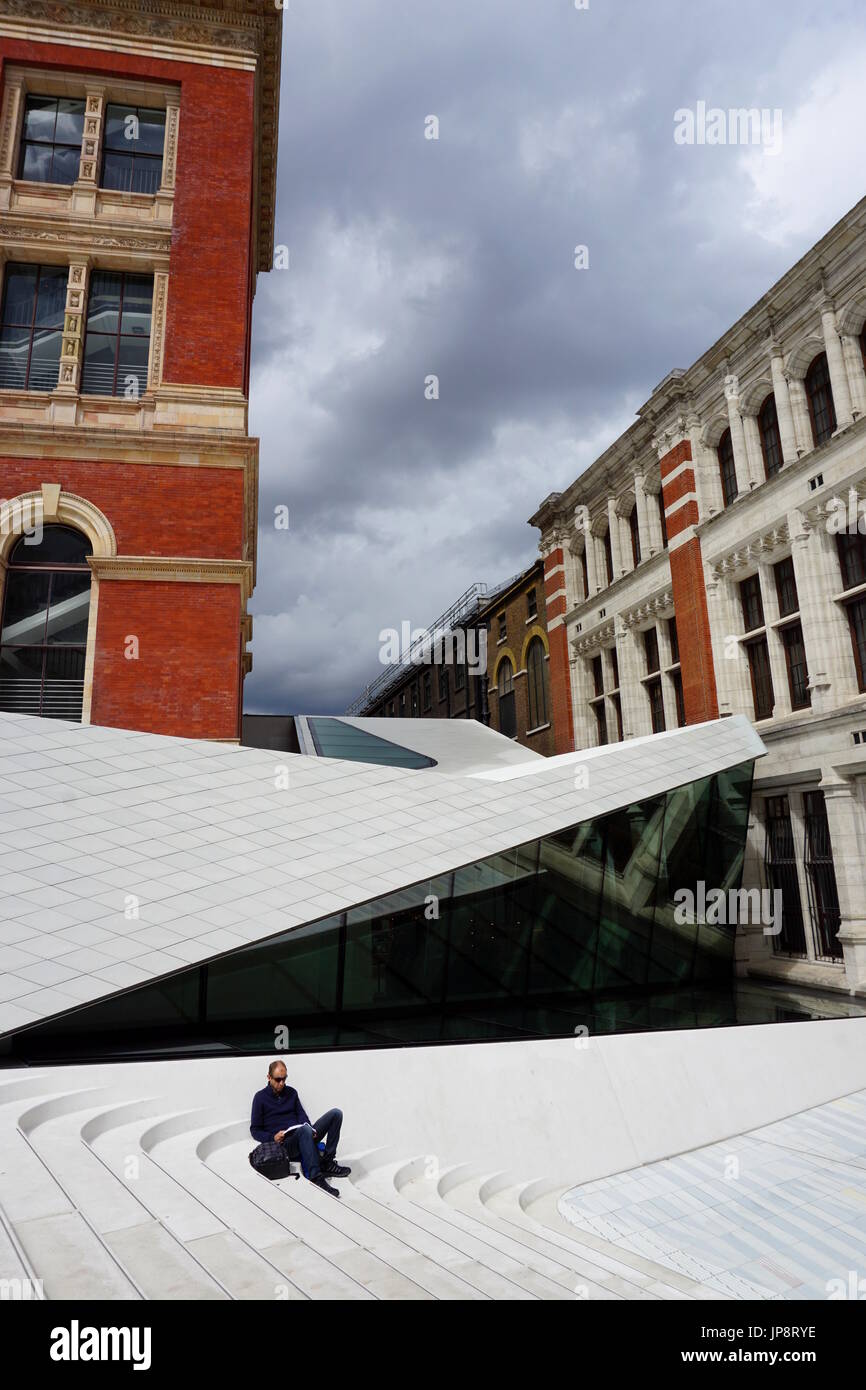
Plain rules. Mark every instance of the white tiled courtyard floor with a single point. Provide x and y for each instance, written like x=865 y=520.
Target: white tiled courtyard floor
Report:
x=778 y=1212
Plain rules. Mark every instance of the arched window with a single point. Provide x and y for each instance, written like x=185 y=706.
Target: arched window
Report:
x=584 y=570
x=536 y=673
x=44 y=629
x=507 y=713
x=635 y=535
x=822 y=411
x=727 y=470
x=608 y=557
x=771 y=440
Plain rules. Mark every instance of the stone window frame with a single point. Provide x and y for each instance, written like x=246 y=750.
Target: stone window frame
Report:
x=97 y=90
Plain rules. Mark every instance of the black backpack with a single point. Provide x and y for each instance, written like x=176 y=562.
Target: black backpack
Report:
x=271 y=1160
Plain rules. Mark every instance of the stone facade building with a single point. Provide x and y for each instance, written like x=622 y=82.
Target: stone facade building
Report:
x=137 y=167
x=713 y=561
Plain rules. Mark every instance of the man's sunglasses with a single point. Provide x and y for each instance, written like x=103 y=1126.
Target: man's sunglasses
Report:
x=278 y=1079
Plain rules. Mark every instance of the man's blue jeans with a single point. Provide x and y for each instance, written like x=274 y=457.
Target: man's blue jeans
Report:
x=300 y=1143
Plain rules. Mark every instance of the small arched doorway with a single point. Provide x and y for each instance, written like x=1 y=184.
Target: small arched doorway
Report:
x=43 y=634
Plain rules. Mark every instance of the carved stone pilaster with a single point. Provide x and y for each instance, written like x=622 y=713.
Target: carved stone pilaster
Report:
x=69 y=380
x=94 y=109
x=157 y=329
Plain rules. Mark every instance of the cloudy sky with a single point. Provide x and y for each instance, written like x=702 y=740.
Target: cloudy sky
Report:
x=411 y=257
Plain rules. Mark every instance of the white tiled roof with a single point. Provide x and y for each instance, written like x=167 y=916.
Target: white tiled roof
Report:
x=128 y=856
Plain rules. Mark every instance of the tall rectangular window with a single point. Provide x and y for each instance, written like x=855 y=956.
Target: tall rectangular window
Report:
x=857 y=622
x=51 y=139
x=617 y=708
x=117 y=340
x=531 y=604
x=651 y=647
x=781 y=868
x=727 y=468
x=664 y=525
x=795 y=660
x=614 y=661
x=676 y=677
x=852 y=559
x=134 y=142
x=657 y=705
x=674 y=641
x=34 y=303
x=608 y=557
x=786 y=588
x=427 y=690
x=600 y=721
x=597 y=675
x=762 y=680
x=821 y=877
x=752 y=603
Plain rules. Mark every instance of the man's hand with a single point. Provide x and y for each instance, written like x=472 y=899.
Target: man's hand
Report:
x=279 y=1136
x=315 y=1135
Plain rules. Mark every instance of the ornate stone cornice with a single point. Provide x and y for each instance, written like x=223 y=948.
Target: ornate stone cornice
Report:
x=180 y=570
x=599 y=637
x=246 y=30
x=70 y=235
x=657 y=606
x=758 y=548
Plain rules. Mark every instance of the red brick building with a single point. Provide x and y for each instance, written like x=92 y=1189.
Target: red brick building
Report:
x=137 y=170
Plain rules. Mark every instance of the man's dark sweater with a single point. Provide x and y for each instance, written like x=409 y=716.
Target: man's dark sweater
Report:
x=273 y=1112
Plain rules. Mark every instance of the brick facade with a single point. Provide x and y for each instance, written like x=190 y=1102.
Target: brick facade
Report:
x=168 y=476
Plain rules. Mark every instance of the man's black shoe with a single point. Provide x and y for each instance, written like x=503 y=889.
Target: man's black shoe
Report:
x=335 y=1169
x=322 y=1182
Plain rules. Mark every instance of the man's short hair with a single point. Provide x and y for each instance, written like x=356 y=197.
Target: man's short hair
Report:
x=277 y=1063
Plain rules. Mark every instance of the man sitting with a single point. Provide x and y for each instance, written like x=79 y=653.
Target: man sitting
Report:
x=278 y=1115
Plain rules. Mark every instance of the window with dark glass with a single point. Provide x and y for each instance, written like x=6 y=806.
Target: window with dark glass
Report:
x=507 y=711
x=43 y=635
x=597 y=675
x=795 y=660
x=608 y=557
x=414 y=699
x=614 y=661
x=657 y=705
x=34 y=303
x=857 y=622
x=727 y=468
x=674 y=641
x=821 y=878
x=536 y=674
x=427 y=690
x=752 y=603
x=780 y=864
x=771 y=440
x=117 y=339
x=531 y=604
x=761 y=678
x=459 y=676
x=51 y=139
x=617 y=708
x=660 y=502
x=133 y=148
x=786 y=588
x=585 y=572
x=502 y=627
x=443 y=682
x=402 y=703
x=819 y=393
x=600 y=722
x=634 y=528
x=676 y=677
x=651 y=647
x=852 y=558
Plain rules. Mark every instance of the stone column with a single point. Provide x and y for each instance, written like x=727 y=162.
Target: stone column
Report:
x=836 y=365
x=778 y=665
x=754 y=452
x=165 y=193
x=10 y=120
x=615 y=539
x=826 y=636
x=732 y=679
x=752 y=948
x=784 y=413
x=643 y=526
x=591 y=563
x=800 y=412
x=635 y=715
x=853 y=355
x=847 y=821
x=581 y=692
x=738 y=437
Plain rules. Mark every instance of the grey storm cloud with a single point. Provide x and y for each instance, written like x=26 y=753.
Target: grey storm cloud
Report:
x=411 y=257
